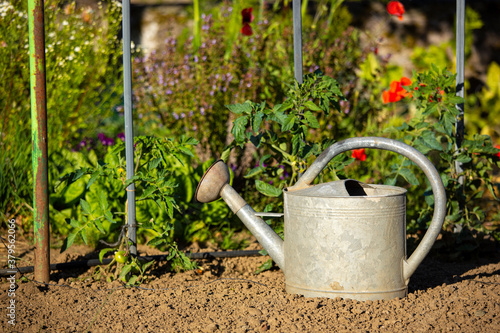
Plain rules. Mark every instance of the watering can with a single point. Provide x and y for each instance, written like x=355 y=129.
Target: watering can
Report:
x=344 y=238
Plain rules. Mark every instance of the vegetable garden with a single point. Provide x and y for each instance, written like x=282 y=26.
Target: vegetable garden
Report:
x=225 y=88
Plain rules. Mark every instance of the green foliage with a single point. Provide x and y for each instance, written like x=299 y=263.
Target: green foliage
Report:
x=82 y=78
x=431 y=129
x=485 y=105
x=103 y=207
x=283 y=133
x=234 y=68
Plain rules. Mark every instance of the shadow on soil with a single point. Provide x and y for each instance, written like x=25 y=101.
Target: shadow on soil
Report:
x=446 y=265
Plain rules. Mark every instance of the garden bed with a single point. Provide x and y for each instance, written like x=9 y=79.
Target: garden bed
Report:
x=228 y=297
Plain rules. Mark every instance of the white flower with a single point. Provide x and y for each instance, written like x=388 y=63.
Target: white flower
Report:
x=77 y=49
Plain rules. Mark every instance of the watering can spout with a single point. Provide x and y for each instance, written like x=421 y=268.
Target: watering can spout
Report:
x=215 y=184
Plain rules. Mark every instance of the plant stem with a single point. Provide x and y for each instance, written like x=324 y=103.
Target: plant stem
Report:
x=196 y=25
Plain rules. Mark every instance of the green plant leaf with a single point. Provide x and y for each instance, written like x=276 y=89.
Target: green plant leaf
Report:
x=148 y=264
x=312 y=121
x=185 y=151
x=74 y=223
x=409 y=176
x=265 y=266
x=94 y=177
x=99 y=226
x=267 y=189
x=311 y=106
x=157 y=241
x=257 y=120
x=148 y=191
x=103 y=252
x=240 y=108
x=83 y=234
x=125 y=270
x=463 y=159
x=239 y=127
x=288 y=123
x=69 y=241
x=103 y=202
x=430 y=140
x=133 y=280
x=109 y=216
x=153 y=164
x=255 y=171
x=86 y=207
x=225 y=154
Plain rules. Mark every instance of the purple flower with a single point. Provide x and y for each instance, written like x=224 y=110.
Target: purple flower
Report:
x=121 y=136
x=105 y=141
x=109 y=142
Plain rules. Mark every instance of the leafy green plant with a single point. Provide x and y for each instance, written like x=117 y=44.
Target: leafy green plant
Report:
x=155 y=191
x=430 y=128
x=286 y=133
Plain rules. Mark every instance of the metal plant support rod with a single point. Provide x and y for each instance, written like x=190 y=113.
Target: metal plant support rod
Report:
x=460 y=56
x=297 y=41
x=129 y=133
x=39 y=139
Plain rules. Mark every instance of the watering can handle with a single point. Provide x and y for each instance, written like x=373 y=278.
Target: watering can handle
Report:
x=415 y=156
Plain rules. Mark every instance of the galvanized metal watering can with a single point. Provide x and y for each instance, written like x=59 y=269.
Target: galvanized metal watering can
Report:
x=342 y=239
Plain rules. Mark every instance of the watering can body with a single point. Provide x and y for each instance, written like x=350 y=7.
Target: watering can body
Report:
x=342 y=239
x=349 y=245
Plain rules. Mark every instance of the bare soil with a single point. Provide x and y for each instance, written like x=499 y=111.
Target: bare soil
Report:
x=227 y=296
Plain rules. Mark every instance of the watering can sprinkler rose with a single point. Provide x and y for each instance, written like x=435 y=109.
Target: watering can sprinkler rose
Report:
x=344 y=238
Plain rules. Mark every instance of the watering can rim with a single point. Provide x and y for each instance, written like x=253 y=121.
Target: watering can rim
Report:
x=298 y=191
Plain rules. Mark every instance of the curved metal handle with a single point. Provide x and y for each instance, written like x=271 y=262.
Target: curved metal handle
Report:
x=415 y=156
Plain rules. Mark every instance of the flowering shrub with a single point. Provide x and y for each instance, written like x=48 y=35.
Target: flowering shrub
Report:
x=431 y=130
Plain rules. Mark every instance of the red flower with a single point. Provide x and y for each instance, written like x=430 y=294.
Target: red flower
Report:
x=246 y=30
x=396 y=91
x=396 y=8
x=246 y=15
x=497 y=154
x=359 y=154
x=247 y=18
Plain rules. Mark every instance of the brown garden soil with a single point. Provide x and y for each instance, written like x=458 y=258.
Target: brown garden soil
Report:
x=444 y=295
